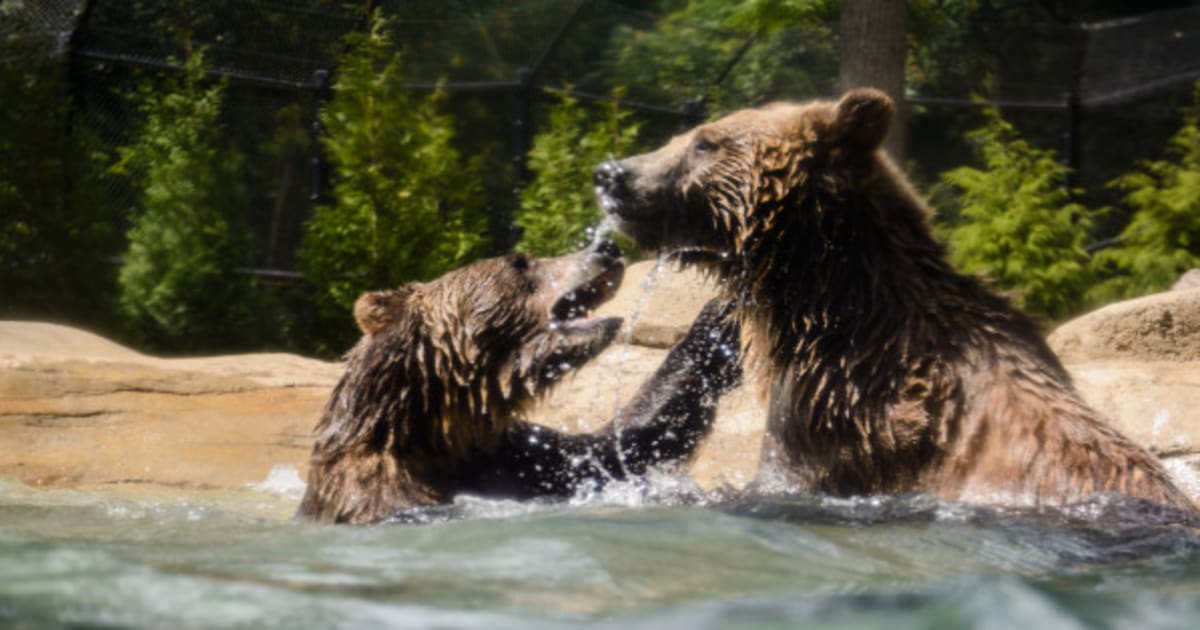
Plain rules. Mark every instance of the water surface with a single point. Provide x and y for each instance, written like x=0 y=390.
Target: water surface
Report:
x=88 y=559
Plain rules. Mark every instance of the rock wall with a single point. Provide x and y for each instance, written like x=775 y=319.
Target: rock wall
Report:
x=77 y=410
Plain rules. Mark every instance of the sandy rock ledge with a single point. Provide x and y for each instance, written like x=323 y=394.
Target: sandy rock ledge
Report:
x=78 y=411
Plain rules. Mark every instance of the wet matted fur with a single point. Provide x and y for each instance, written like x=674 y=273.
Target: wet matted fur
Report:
x=890 y=371
x=431 y=400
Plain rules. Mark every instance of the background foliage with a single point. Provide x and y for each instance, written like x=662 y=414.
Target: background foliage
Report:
x=1014 y=221
x=1162 y=238
x=557 y=207
x=244 y=201
x=54 y=233
x=179 y=288
x=406 y=205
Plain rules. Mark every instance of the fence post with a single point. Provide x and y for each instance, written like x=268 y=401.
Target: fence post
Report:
x=504 y=232
x=320 y=88
x=1073 y=110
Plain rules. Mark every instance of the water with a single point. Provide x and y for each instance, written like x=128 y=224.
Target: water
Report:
x=229 y=560
x=625 y=340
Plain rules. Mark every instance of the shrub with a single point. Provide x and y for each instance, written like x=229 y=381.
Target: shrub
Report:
x=54 y=231
x=558 y=206
x=1162 y=238
x=1016 y=224
x=178 y=285
x=405 y=205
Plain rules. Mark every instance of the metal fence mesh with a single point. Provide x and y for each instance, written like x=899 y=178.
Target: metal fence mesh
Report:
x=503 y=61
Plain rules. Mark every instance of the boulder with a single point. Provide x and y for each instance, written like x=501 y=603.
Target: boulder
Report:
x=1138 y=362
x=77 y=410
x=1190 y=279
x=659 y=301
x=1159 y=327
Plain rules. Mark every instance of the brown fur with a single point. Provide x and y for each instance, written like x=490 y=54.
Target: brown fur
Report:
x=891 y=372
x=442 y=372
x=432 y=398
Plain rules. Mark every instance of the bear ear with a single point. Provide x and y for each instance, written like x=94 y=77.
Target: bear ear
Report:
x=376 y=310
x=862 y=119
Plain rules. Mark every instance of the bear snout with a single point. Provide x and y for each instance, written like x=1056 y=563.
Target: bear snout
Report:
x=609 y=176
x=607 y=250
x=612 y=186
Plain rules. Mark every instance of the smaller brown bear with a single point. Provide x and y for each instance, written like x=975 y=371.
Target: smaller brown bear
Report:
x=431 y=400
x=890 y=371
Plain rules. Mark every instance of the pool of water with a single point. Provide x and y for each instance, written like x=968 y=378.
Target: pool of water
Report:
x=87 y=559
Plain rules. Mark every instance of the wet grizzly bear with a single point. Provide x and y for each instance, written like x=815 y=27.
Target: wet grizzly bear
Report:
x=431 y=400
x=890 y=372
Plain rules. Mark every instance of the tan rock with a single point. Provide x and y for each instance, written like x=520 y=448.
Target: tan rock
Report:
x=76 y=409
x=1138 y=362
x=659 y=302
x=1154 y=403
x=1158 y=327
x=1190 y=279
x=79 y=411
x=594 y=394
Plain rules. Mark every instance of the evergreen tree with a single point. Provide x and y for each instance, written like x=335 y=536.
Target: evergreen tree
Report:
x=784 y=49
x=1162 y=239
x=558 y=206
x=1016 y=224
x=178 y=285
x=406 y=206
x=54 y=232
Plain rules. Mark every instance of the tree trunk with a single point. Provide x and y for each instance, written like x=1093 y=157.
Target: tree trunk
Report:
x=873 y=55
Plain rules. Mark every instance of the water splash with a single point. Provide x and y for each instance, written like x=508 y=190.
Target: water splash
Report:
x=625 y=339
x=601 y=231
x=1184 y=473
x=283 y=481
x=658 y=487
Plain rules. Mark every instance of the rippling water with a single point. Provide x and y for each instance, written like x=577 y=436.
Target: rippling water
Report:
x=96 y=559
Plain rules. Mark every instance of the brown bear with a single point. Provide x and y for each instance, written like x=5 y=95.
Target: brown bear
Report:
x=431 y=400
x=890 y=372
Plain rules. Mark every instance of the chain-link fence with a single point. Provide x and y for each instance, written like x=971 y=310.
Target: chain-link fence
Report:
x=507 y=57
x=1104 y=94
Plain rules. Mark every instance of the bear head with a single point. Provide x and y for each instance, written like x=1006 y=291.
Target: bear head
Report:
x=718 y=189
x=444 y=366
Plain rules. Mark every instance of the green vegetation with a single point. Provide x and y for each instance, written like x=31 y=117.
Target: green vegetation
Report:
x=178 y=285
x=783 y=49
x=557 y=207
x=1015 y=222
x=1162 y=239
x=208 y=176
x=54 y=235
x=406 y=206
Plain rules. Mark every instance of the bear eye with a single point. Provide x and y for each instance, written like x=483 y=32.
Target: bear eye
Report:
x=520 y=262
x=705 y=145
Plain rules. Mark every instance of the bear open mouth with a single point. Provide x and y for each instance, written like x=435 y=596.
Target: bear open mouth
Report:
x=697 y=256
x=573 y=309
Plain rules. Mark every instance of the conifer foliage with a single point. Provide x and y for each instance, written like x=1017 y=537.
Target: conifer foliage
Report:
x=1162 y=239
x=1015 y=223
x=558 y=206
x=178 y=285
x=405 y=205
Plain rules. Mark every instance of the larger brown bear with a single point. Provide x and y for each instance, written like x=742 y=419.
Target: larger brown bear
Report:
x=431 y=400
x=891 y=372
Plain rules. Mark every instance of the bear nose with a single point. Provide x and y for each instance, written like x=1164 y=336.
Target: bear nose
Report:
x=609 y=176
x=606 y=248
